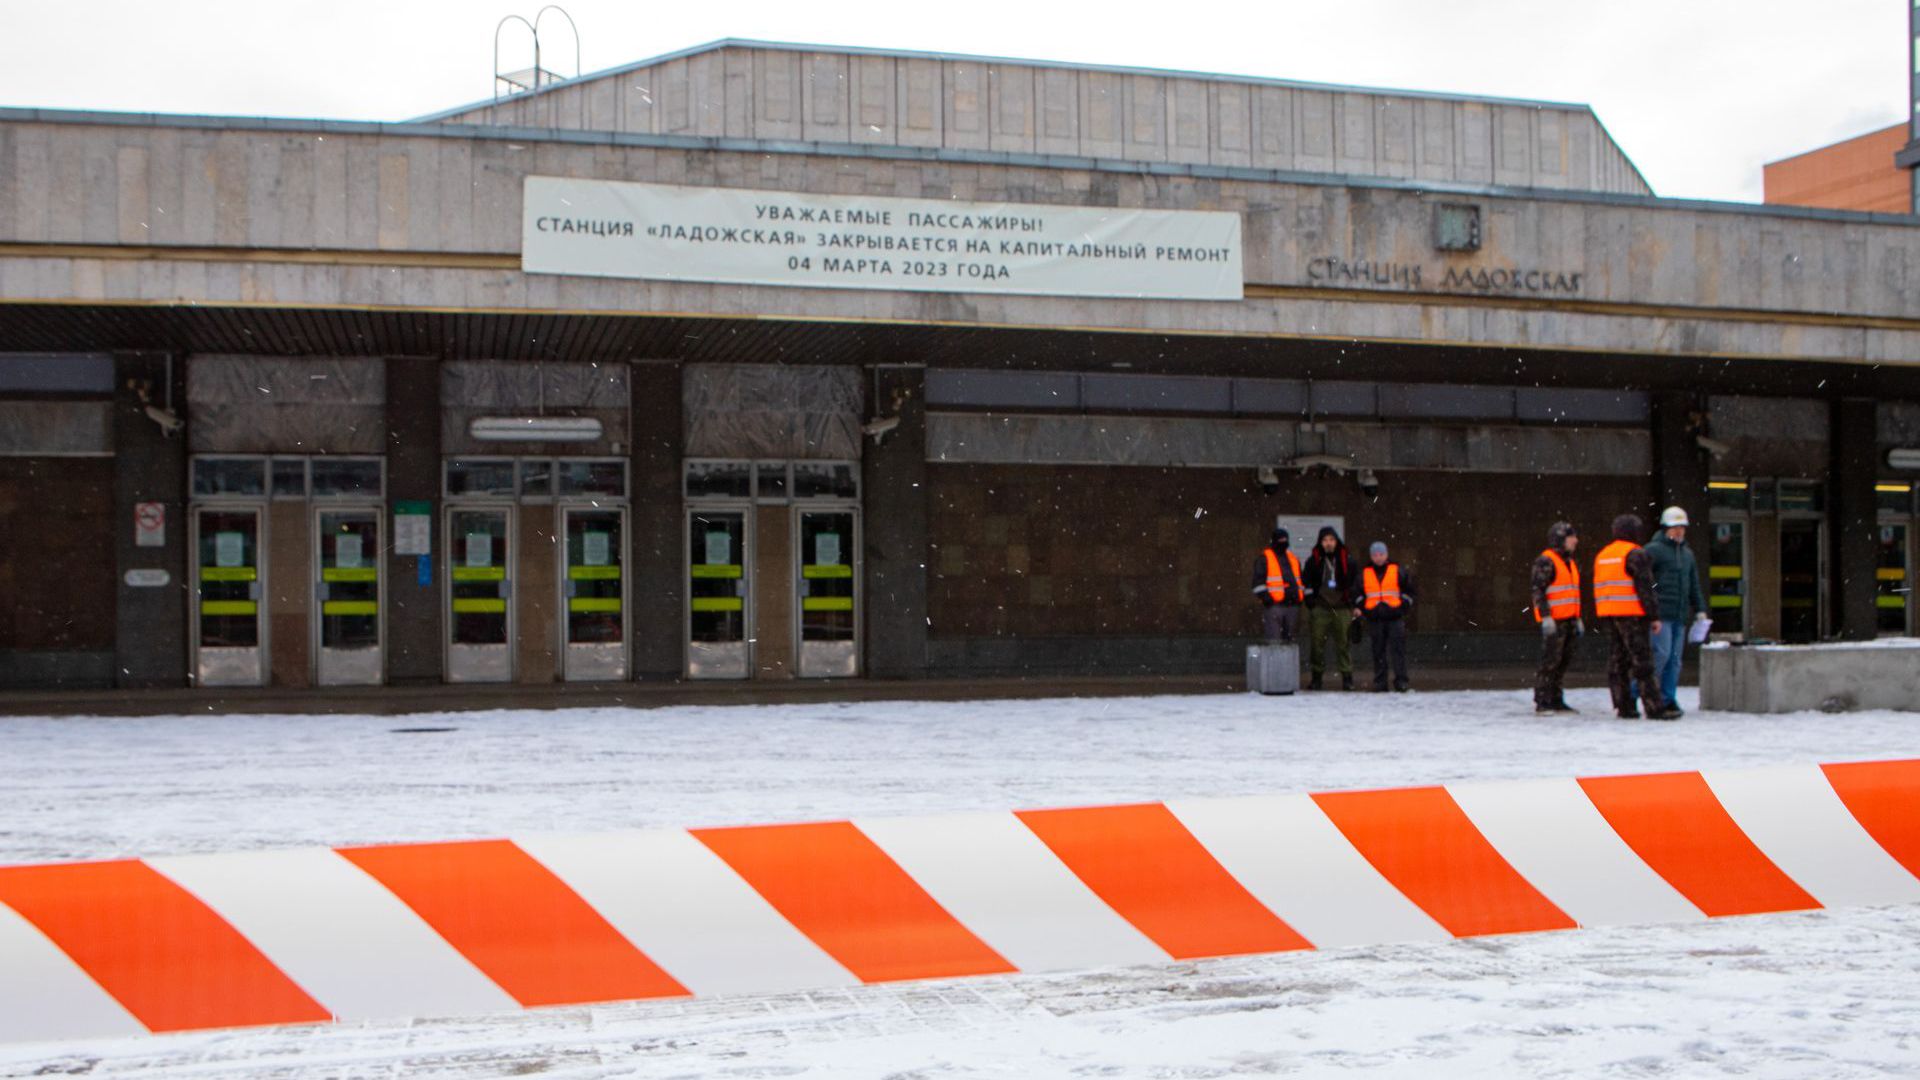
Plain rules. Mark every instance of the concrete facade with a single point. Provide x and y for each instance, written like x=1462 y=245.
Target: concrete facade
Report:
x=314 y=289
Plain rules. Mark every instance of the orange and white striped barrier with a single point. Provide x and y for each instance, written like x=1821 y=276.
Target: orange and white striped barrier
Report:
x=415 y=930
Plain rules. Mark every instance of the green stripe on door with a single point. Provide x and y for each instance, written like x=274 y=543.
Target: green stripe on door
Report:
x=1725 y=573
x=229 y=573
x=1724 y=601
x=229 y=607
x=350 y=607
x=479 y=606
x=593 y=573
x=827 y=603
x=594 y=604
x=717 y=603
x=357 y=573
x=1898 y=602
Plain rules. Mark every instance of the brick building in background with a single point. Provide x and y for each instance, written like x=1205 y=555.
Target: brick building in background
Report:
x=1855 y=174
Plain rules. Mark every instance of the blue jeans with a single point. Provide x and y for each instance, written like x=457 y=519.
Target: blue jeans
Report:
x=1669 y=645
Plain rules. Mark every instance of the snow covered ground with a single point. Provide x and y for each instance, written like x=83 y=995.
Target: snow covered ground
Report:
x=1822 y=994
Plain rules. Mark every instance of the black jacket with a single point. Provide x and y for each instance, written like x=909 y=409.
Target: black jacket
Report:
x=1544 y=572
x=1286 y=572
x=1320 y=568
x=1386 y=613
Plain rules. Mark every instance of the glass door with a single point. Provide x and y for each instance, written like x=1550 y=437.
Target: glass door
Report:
x=829 y=639
x=347 y=597
x=594 y=590
x=717 y=594
x=228 y=633
x=1891 y=582
x=1727 y=578
x=479 y=587
x=1801 y=569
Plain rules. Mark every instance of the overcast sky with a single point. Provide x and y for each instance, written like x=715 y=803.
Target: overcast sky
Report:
x=1699 y=92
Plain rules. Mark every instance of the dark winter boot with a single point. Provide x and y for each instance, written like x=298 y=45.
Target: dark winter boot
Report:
x=1314 y=683
x=1628 y=714
x=1346 y=681
x=1669 y=711
x=1561 y=706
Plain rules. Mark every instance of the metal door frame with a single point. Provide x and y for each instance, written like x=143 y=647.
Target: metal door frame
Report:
x=508 y=511
x=828 y=506
x=748 y=545
x=1908 y=522
x=377 y=513
x=258 y=507
x=1823 y=559
x=1744 y=519
x=567 y=507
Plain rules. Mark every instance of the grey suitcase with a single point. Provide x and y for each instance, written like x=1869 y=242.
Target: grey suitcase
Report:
x=1273 y=669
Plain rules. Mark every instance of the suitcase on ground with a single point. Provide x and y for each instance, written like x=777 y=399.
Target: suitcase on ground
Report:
x=1273 y=669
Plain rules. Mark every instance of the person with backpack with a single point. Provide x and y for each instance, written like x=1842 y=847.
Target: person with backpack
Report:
x=1331 y=595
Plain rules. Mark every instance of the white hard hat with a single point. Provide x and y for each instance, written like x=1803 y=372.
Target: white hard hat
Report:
x=1672 y=516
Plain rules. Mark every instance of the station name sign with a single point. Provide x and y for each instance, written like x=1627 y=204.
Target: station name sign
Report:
x=665 y=232
x=1331 y=270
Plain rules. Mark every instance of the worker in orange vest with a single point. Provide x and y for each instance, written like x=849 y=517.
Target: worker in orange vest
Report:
x=1276 y=581
x=1386 y=595
x=1556 y=607
x=1624 y=602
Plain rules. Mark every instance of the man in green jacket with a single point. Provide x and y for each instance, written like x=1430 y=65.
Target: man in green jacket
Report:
x=1676 y=588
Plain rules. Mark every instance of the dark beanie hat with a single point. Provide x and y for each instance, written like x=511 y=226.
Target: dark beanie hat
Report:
x=1280 y=536
x=1628 y=527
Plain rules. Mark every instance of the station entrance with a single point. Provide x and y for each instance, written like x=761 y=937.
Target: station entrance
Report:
x=773 y=569
x=286 y=570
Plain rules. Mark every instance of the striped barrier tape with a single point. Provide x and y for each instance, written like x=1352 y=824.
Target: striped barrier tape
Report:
x=436 y=929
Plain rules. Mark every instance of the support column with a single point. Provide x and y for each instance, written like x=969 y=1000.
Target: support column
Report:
x=414 y=616
x=657 y=585
x=1681 y=468
x=149 y=466
x=894 y=508
x=1852 y=518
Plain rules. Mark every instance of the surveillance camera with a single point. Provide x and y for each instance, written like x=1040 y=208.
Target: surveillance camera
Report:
x=168 y=422
x=1713 y=446
x=1369 y=483
x=1268 y=479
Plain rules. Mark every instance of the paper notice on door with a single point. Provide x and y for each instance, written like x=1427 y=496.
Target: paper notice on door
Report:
x=826 y=549
x=347 y=551
x=479 y=549
x=229 y=549
x=719 y=548
x=595 y=547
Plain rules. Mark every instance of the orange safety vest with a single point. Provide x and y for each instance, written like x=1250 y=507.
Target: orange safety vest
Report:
x=1381 y=592
x=1276 y=581
x=1563 y=596
x=1613 y=593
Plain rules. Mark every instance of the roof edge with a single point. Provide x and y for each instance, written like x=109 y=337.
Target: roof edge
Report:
x=915 y=54
x=898 y=153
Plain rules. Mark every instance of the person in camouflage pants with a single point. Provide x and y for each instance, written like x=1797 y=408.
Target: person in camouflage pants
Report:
x=1554 y=570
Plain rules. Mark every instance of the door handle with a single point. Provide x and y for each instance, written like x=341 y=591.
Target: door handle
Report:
x=320 y=591
x=506 y=588
x=253 y=590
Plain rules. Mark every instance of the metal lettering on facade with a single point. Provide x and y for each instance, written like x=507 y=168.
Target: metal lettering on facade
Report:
x=663 y=232
x=1331 y=270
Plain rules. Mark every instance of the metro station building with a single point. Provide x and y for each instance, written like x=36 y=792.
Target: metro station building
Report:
x=523 y=391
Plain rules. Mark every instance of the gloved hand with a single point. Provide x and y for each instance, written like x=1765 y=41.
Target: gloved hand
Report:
x=1579 y=627
x=1548 y=627
x=1266 y=599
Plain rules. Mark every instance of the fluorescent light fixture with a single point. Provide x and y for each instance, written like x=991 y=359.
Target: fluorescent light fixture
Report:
x=534 y=428
x=1906 y=457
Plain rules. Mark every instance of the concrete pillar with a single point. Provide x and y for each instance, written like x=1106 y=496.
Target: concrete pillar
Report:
x=414 y=616
x=894 y=486
x=657 y=576
x=1852 y=518
x=1681 y=468
x=149 y=466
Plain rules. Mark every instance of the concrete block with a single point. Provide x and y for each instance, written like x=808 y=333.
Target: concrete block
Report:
x=1796 y=678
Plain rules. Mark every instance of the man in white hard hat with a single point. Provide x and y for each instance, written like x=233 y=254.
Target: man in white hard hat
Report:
x=1676 y=589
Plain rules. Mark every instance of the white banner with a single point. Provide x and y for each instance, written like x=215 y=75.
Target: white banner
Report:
x=606 y=228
